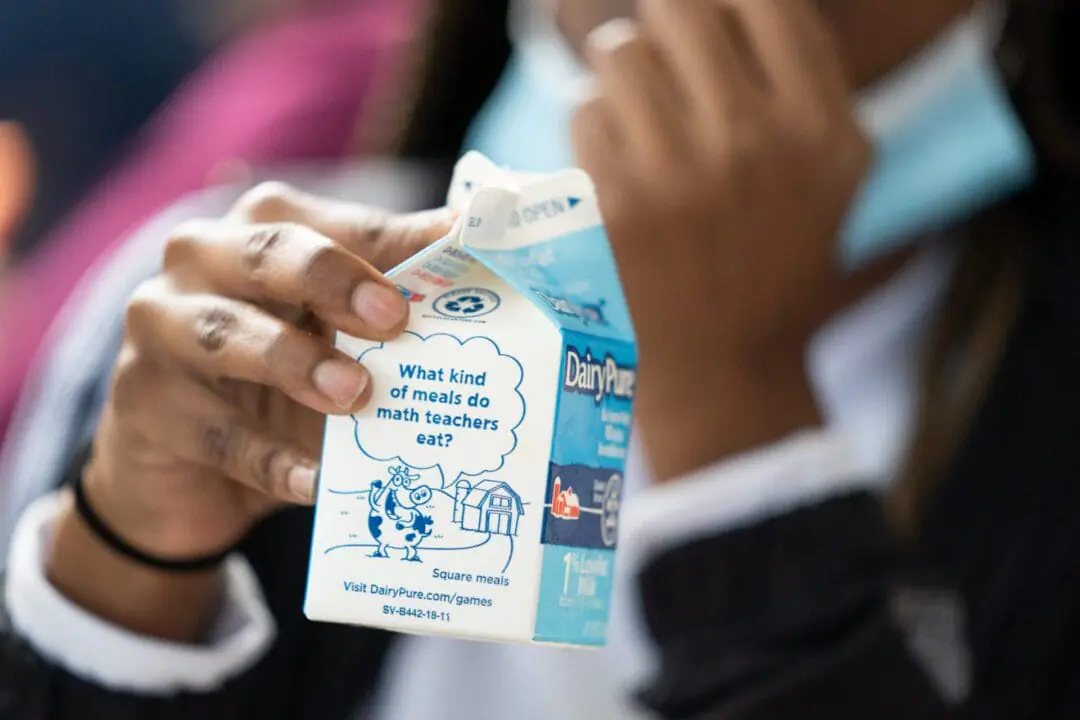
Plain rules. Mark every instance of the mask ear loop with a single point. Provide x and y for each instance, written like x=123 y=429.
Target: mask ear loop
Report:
x=989 y=17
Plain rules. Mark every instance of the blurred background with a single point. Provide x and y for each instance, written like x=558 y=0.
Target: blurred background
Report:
x=113 y=110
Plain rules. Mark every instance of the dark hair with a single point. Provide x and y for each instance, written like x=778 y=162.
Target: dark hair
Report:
x=1040 y=54
x=1037 y=57
x=459 y=56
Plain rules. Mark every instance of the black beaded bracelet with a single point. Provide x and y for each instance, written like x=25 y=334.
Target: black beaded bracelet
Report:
x=108 y=536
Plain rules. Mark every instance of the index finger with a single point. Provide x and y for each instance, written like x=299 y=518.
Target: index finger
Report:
x=697 y=38
x=382 y=238
x=795 y=49
x=287 y=263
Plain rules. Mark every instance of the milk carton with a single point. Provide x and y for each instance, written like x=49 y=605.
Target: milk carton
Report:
x=478 y=494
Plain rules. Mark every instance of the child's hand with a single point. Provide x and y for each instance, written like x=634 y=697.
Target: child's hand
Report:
x=726 y=153
x=228 y=368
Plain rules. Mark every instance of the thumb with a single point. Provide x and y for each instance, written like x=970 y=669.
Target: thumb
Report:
x=382 y=238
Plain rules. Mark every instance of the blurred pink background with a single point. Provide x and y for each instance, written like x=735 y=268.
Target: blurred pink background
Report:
x=293 y=87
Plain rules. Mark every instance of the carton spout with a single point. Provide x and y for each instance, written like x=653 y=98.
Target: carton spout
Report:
x=487 y=217
x=477 y=493
x=456 y=230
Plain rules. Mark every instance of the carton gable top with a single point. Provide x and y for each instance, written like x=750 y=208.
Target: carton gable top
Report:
x=543 y=236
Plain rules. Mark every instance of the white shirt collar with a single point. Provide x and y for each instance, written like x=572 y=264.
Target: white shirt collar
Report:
x=865 y=364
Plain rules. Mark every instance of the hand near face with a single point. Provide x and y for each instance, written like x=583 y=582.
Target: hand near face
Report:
x=726 y=154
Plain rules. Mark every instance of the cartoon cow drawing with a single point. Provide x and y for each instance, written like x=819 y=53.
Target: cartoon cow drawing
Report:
x=395 y=520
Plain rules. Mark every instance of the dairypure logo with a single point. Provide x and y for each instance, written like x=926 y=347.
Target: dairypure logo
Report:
x=597 y=377
x=544 y=210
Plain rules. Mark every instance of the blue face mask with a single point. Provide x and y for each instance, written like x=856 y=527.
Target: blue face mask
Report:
x=947 y=141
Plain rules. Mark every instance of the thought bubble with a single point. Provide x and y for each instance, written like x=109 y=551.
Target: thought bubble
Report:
x=442 y=402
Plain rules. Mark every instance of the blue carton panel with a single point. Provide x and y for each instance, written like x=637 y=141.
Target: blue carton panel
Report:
x=582 y=506
x=575 y=595
x=590 y=443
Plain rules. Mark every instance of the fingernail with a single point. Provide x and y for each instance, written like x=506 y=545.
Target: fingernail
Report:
x=340 y=381
x=301 y=482
x=443 y=221
x=381 y=307
x=612 y=34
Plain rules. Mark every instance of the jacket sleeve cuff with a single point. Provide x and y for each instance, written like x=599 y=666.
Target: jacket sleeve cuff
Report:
x=751 y=563
x=96 y=651
x=800 y=470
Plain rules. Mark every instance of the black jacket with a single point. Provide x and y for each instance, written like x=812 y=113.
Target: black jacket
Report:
x=792 y=618
x=810 y=615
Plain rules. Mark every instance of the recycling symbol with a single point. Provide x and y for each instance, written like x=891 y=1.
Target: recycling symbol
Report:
x=466 y=303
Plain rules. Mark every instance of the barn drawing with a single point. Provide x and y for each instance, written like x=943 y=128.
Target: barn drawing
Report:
x=489 y=506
